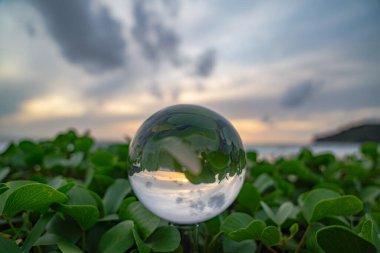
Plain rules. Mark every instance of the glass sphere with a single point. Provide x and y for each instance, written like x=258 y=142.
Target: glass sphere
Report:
x=187 y=164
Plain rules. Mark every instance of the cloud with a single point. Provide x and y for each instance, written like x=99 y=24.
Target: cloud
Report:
x=205 y=64
x=10 y=99
x=30 y=29
x=298 y=94
x=87 y=35
x=107 y=88
x=157 y=40
x=319 y=101
x=156 y=91
x=13 y=95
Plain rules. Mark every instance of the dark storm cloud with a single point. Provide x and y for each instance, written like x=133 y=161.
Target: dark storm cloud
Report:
x=30 y=29
x=156 y=91
x=105 y=89
x=12 y=96
x=365 y=95
x=298 y=94
x=157 y=41
x=206 y=63
x=87 y=35
x=344 y=99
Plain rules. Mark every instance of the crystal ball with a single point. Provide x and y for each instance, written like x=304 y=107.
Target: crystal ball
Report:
x=187 y=164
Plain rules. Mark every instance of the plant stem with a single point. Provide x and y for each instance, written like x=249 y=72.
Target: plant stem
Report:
x=15 y=231
x=271 y=250
x=283 y=241
x=39 y=250
x=213 y=241
x=259 y=248
x=300 y=244
x=83 y=239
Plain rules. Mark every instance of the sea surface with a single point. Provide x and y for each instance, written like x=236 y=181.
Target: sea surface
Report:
x=338 y=149
x=273 y=151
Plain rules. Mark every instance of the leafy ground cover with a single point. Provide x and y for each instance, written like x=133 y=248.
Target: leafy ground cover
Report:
x=69 y=195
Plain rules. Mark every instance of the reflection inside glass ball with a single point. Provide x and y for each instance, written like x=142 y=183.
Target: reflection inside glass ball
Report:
x=187 y=164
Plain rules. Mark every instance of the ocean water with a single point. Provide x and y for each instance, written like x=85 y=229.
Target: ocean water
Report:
x=272 y=150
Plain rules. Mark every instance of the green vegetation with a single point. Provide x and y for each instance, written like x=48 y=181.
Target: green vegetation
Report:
x=68 y=195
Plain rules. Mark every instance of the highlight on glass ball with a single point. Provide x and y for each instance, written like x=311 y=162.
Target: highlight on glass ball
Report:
x=187 y=164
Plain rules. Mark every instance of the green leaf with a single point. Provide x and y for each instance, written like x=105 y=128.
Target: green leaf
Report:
x=369 y=231
x=164 y=239
x=47 y=239
x=252 y=231
x=99 y=202
x=311 y=240
x=246 y=246
x=3 y=188
x=341 y=206
x=320 y=203
x=213 y=225
x=309 y=200
x=252 y=156
x=66 y=187
x=8 y=188
x=322 y=159
x=68 y=247
x=145 y=221
x=8 y=246
x=370 y=149
x=284 y=212
x=218 y=159
x=295 y=167
x=89 y=175
x=293 y=230
x=103 y=158
x=271 y=236
x=234 y=222
x=79 y=195
x=64 y=227
x=263 y=168
x=36 y=232
x=182 y=153
x=370 y=194
x=60 y=160
x=83 y=144
x=115 y=195
x=85 y=215
x=3 y=173
x=117 y=239
x=121 y=151
x=57 y=182
x=263 y=182
x=32 y=197
x=268 y=212
x=142 y=247
x=334 y=239
x=249 y=197
x=123 y=207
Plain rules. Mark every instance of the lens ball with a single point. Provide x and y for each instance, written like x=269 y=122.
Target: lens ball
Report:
x=187 y=164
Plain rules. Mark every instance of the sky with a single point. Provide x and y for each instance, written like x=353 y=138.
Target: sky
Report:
x=280 y=71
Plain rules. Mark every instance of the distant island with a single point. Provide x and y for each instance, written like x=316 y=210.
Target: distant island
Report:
x=358 y=133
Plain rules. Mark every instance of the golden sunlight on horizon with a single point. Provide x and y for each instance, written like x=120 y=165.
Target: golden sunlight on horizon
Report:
x=251 y=131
